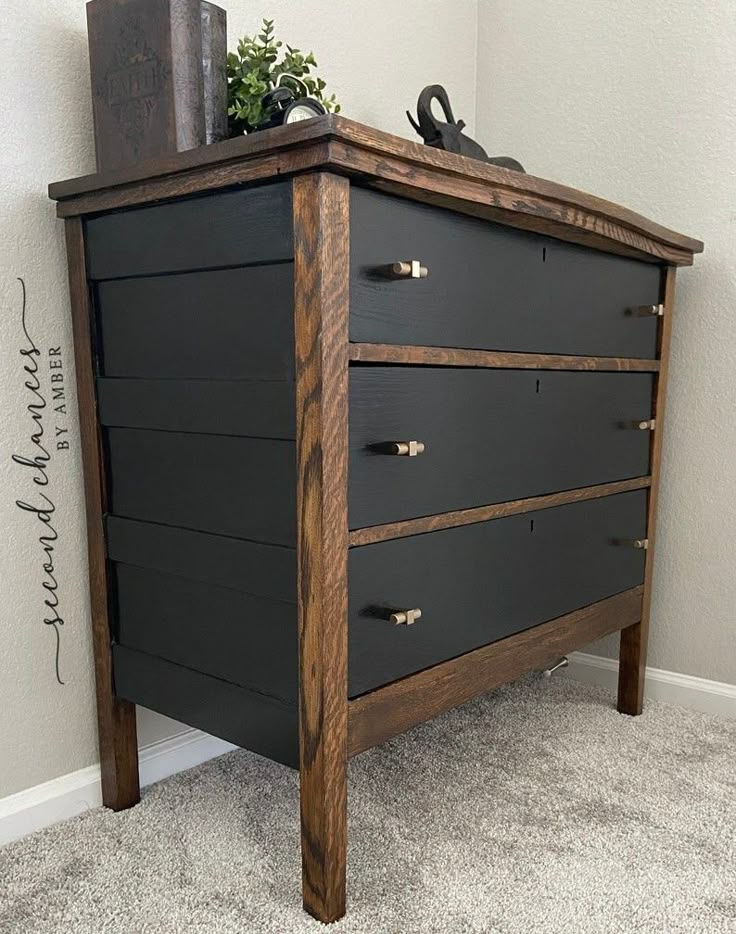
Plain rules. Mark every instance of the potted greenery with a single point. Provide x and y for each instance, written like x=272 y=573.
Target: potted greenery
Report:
x=254 y=71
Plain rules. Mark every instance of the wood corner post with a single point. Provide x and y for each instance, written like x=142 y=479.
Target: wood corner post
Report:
x=634 y=639
x=321 y=275
x=115 y=718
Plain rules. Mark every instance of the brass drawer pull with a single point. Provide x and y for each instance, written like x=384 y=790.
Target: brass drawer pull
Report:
x=633 y=542
x=644 y=424
x=404 y=448
x=405 y=617
x=407 y=269
x=646 y=311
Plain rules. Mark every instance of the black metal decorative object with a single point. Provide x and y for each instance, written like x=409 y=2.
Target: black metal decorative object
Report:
x=448 y=134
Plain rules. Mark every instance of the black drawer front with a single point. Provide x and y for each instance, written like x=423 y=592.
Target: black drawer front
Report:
x=225 y=229
x=490 y=436
x=479 y=583
x=221 y=324
x=244 y=487
x=491 y=287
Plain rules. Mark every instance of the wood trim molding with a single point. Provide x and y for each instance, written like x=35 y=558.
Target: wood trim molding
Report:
x=634 y=640
x=448 y=520
x=494 y=359
x=180 y=184
x=321 y=254
x=115 y=718
x=388 y=711
x=381 y=160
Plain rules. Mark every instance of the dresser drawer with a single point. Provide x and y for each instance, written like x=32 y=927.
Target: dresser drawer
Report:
x=489 y=436
x=479 y=583
x=491 y=287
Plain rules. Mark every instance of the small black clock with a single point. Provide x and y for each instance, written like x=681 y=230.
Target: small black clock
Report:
x=288 y=108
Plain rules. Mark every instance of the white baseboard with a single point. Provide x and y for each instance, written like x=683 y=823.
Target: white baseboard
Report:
x=713 y=697
x=72 y=794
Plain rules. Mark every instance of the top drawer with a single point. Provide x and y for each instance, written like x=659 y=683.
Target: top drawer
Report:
x=490 y=287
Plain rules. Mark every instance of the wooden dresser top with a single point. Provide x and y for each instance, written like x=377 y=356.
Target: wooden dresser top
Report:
x=388 y=163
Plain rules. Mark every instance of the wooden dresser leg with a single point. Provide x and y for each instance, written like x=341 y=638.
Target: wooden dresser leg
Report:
x=634 y=639
x=632 y=665
x=115 y=718
x=118 y=753
x=321 y=270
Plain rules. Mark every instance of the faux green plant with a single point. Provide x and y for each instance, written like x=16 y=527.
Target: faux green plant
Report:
x=255 y=69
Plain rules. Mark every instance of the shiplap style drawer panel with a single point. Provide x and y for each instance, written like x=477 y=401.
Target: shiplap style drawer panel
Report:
x=220 y=324
x=232 y=228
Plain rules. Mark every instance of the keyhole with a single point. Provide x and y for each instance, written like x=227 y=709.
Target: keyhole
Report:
x=531 y=525
x=538 y=384
x=544 y=254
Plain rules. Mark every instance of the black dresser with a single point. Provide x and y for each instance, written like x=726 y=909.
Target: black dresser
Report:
x=368 y=430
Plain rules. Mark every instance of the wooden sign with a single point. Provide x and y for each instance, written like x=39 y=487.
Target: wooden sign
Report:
x=158 y=77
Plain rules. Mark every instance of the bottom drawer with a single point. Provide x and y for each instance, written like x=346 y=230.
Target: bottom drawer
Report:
x=479 y=583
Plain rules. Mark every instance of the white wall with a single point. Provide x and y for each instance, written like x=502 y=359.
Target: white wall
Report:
x=377 y=57
x=636 y=102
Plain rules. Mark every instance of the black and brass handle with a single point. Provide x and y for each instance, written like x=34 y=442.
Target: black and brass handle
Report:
x=405 y=617
x=406 y=269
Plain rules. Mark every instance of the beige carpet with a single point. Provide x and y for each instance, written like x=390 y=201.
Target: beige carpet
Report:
x=535 y=809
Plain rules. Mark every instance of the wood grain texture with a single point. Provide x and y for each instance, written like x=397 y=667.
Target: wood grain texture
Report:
x=634 y=639
x=240 y=171
x=542 y=206
x=388 y=711
x=321 y=209
x=382 y=533
x=255 y=146
x=115 y=718
x=449 y=356
x=393 y=164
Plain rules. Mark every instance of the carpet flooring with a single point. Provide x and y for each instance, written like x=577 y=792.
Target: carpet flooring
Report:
x=537 y=808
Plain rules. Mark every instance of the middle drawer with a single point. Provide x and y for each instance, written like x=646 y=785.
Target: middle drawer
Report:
x=489 y=436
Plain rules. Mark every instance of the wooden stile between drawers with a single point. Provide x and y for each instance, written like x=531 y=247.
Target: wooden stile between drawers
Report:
x=382 y=533
x=449 y=356
x=379 y=715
